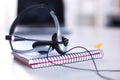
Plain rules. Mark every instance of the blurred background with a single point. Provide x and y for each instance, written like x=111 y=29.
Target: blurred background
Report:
x=73 y=15
x=80 y=13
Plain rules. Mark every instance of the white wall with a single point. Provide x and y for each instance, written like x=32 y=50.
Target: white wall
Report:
x=2 y=13
x=7 y=13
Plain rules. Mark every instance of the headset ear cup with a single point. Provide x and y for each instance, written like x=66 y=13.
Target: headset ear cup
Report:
x=37 y=44
x=56 y=45
x=44 y=48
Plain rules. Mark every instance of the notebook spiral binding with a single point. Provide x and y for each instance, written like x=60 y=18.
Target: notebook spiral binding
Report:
x=65 y=59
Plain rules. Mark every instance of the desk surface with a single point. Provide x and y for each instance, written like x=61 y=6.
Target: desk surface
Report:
x=10 y=69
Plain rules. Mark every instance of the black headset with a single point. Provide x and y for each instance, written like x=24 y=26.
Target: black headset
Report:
x=58 y=42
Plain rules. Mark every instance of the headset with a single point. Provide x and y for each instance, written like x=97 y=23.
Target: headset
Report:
x=58 y=42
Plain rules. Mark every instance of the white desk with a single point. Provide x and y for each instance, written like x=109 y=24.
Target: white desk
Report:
x=12 y=70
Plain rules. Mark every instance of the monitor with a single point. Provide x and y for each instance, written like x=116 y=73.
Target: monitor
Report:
x=41 y=18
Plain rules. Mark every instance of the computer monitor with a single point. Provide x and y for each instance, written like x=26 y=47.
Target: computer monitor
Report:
x=40 y=18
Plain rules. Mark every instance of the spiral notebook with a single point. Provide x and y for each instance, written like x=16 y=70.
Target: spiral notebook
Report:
x=36 y=60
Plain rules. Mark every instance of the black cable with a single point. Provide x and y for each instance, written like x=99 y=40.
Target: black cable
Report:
x=75 y=68
x=18 y=38
x=93 y=70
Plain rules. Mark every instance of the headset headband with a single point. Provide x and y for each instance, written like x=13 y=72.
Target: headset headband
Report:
x=23 y=13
